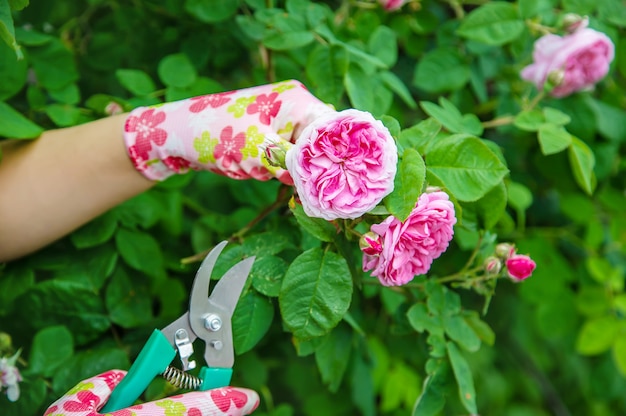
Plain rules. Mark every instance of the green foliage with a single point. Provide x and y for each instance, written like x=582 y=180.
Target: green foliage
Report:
x=312 y=332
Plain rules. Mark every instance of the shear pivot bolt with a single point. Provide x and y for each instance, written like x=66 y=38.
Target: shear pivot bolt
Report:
x=213 y=322
x=217 y=344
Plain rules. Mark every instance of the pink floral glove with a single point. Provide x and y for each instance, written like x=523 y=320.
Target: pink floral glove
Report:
x=220 y=132
x=91 y=395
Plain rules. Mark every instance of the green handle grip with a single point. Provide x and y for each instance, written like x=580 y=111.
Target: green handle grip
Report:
x=213 y=378
x=153 y=359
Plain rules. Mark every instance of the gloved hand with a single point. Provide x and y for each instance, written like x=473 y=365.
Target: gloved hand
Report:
x=220 y=132
x=91 y=395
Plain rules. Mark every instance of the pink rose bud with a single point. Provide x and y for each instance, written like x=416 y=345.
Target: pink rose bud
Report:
x=573 y=22
x=505 y=250
x=371 y=244
x=492 y=265
x=391 y=5
x=409 y=247
x=584 y=57
x=275 y=150
x=113 y=108
x=343 y=164
x=520 y=267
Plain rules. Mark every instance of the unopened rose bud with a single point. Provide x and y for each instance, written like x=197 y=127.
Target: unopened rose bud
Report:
x=113 y=108
x=573 y=22
x=371 y=244
x=520 y=267
x=505 y=250
x=492 y=265
x=554 y=79
x=275 y=150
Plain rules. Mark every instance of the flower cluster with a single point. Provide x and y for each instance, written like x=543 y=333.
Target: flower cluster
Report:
x=396 y=251
x=10 y=377
x=518 y=267
x=574 y=62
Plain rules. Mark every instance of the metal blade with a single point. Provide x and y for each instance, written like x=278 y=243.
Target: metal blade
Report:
x=200 y=287
x=228 y=289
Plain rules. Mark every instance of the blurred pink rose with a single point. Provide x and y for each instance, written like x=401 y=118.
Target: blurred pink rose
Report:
x=520 y=267
x=576 y=61
x=343 y=164
x=409 y=247
x=391 y=5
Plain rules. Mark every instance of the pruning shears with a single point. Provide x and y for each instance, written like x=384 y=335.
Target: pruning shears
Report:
x=208 y=318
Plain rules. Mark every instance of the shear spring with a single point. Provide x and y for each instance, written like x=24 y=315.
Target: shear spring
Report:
x=181 y=379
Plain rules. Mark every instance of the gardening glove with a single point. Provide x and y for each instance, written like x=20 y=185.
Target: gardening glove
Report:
x=91 y=395
x=223 y=132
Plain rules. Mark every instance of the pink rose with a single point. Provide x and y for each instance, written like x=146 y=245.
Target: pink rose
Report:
x=391 y=5
x=520 y=267
x=409 y=247
x=343 y=164
x=574 y=62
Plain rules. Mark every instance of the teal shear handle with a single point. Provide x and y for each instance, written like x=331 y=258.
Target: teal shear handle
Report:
x=153 y=359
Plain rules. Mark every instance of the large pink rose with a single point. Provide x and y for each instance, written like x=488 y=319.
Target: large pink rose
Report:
x=577 y=61
x=343 y=164
x=409 y=247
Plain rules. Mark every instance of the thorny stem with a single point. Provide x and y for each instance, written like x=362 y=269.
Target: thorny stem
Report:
x=457 y=8
x=506 y=120
x=544 y=30
x=281 y=199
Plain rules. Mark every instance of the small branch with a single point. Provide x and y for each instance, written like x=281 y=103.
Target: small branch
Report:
x=498 y=122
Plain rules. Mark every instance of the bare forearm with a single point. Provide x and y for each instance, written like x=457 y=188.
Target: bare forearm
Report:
x=53 y=185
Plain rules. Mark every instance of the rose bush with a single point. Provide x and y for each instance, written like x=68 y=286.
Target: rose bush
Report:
x=525 y=170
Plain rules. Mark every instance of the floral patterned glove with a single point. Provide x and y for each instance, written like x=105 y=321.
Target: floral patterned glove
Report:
x=220 y=132
x=91 y=395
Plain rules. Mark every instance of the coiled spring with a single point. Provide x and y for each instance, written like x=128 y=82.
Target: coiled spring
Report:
x=181 y=379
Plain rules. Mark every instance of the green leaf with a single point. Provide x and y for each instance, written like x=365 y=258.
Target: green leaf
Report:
x=553 y=139
x=317 y=227
x=432 y=398
x=18 y=4
x=86 y=364
x=451 y=118
x=466 y=166
x=557 y=117
x=460 y=331
x=177 y=71
x=96 y=232
x=396 y=85
x=316 y=293
x=13 y=125
x=490 y=208
x=50 y=348
x=494 y=23
x=137 y=82
x=63 y=115
x=333 y=355
x=14 y=281
x=529 y=120
x=463 y=376
x=326 y=67
x=441 y=70
x=520 y=197
x=400 y=387
x=282 y=41
x=33 y=395
x=582 y=161
x=361 y=98
x=267 y=274
x=408 y=185
x=597 y=335
x=7 y=30
x=140 y=251
x=619 y=354
x=56 y=301
x=252 y=319
x=128 y=300
x=212 y=11
x=383 y=45
x=53 y=64
x=12 y=72
x=480 y=327
x=420 y=136
x=421 y=320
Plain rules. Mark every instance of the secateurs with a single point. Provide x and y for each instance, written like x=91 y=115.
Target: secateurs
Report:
x=208 y=318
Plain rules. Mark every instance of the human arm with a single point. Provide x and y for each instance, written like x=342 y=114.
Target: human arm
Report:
x=58 y=182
